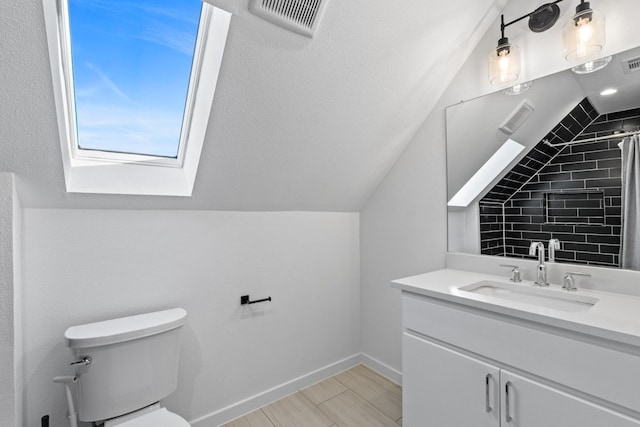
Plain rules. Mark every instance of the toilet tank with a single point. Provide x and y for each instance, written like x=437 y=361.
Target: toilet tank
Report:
x=134 y=362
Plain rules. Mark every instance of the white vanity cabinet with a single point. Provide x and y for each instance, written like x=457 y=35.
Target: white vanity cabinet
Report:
x=441 y=387
x=464 y=367
x=532 y=404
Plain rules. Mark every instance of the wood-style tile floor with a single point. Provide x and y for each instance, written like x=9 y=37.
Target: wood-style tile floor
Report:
x=358 y=397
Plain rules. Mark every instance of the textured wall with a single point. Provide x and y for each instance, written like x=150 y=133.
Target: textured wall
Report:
x=10 y=310
x=88 y=265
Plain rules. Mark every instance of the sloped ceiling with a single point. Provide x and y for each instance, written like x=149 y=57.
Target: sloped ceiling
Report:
x=297 y=123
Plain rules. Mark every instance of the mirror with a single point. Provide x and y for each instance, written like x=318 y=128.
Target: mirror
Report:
x=542 y=165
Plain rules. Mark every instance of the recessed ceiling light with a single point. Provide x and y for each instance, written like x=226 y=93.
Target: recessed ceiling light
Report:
x=609 y=91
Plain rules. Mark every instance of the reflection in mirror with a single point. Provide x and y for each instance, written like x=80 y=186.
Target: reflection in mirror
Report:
x=566 y=183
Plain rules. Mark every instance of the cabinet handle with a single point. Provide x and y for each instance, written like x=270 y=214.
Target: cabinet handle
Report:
x=487 y=380
x=507 y=414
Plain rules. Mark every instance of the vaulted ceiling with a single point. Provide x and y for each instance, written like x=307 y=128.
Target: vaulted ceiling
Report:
x=297 y=123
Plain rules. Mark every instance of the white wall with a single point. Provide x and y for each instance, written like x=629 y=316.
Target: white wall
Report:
x=10 y=304
x=18 y=351
x=462 y=224
x=403 y=225
x=86 y=265
x=7 y=410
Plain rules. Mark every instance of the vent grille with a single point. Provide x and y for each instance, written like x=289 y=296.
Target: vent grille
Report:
x=301 y=16
x=517 y=118
x=631 y=65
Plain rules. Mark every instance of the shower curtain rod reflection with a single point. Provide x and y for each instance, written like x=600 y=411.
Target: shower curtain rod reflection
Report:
x=598 y=138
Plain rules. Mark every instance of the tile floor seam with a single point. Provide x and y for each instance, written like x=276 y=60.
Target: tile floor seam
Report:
x=267 y=417
x=266 y=414
x=367 y=403
x=359 y=380
x=366 y=400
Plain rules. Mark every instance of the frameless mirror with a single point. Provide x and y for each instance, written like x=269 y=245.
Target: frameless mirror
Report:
x=544 y=164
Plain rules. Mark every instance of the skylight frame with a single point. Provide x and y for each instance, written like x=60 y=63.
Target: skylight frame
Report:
x=77 y=152
x=97 y=171
x=488 y=173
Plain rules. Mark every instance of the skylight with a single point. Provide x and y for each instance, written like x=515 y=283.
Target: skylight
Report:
x=486 y=174
x=134 y=82
x=131 y=66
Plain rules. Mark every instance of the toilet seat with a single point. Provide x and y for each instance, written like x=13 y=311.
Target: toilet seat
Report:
x=157 y=417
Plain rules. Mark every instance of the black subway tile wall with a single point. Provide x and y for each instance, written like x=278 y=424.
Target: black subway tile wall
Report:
x=491 y=229
x=574 y=196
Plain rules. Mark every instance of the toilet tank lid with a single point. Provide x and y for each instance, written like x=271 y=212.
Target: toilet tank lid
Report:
x=124 y=328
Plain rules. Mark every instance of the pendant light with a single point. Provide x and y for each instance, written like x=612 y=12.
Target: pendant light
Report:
x=504 y=61
x=583 y=35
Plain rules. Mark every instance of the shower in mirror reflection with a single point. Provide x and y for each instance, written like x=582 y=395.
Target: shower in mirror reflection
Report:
x=630 y=246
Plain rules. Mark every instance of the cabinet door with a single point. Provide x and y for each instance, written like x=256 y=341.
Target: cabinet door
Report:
x=445 y=388
x=526 y=403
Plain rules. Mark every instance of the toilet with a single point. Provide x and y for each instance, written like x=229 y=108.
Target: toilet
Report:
x=125 y=366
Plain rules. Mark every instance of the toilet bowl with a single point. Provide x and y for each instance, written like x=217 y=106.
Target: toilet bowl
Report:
x=125 y=367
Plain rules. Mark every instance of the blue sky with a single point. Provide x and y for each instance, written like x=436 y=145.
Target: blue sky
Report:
x=131 y=62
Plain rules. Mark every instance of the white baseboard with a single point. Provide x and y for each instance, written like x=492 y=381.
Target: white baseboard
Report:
x=259 y=400
x=381 y=368
x=236 y=410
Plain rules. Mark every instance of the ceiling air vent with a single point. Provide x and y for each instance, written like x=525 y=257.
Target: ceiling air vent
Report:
x=517 y=117
x=301 y=16
x=631 y=65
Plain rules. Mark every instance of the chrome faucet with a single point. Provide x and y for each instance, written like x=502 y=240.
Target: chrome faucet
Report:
x=554 y=244
x=570 y=283
x=515 y=272
x=541 y=269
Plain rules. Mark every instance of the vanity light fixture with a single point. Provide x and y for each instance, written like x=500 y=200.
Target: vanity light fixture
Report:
x=504 y=61
x=584 y=34
x=583 y=37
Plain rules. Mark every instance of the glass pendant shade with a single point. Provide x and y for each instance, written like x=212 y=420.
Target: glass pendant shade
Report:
x=591 y=66
x=504 y=63
x=583 y=35
x=518 y=89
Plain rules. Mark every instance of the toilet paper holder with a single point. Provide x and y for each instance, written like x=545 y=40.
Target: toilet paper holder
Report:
x=244 y=299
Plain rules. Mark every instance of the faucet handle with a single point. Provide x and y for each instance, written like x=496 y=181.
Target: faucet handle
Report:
x=515 y=272
x=569 y=283
x=554 y=245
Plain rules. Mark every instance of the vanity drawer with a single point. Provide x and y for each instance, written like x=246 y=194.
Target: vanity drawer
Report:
x=560 y=356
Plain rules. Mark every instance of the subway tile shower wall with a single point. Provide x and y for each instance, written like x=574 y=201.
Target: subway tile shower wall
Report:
x=575 y=196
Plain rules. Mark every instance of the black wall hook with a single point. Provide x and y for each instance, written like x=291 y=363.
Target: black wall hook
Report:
x=244 y=299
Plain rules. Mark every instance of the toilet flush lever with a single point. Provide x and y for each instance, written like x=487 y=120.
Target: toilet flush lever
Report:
x=85 y=361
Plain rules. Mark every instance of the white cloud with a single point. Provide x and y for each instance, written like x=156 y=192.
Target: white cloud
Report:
x=172 y=27
x=106 y=83
x=131 y=130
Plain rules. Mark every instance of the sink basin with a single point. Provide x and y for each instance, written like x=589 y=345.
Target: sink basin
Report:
x=541 y=297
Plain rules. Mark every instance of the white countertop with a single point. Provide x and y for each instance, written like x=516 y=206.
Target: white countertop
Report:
x=614 y=317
